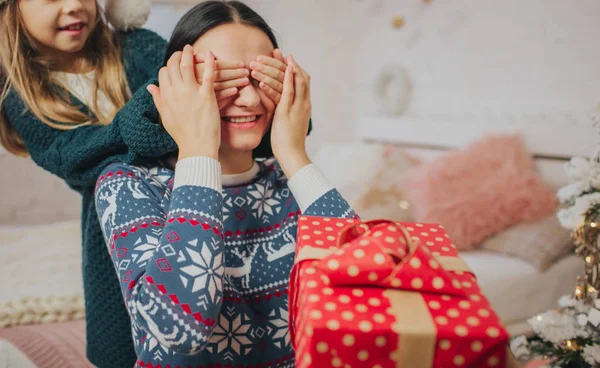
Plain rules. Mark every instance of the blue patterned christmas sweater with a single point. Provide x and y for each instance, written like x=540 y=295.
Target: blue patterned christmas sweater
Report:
x=204 y=269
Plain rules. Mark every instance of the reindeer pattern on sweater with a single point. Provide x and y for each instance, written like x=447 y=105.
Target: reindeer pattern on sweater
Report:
x=205 y=274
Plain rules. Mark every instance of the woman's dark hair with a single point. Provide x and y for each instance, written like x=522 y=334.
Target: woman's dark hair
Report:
x=211 y=14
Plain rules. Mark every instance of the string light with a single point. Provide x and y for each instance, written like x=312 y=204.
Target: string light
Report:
x=572 y=345
x=579 y=292
x=398 y=21
x=586 y=246
x=404 y=205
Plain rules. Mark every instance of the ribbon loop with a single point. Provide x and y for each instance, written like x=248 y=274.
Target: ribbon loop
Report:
x=381 y=253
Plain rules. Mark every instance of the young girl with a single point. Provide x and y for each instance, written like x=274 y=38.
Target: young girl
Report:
x=203 y=244
x=66 y=83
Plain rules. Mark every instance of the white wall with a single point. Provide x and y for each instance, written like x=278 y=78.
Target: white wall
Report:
x=491 y=66
x=501 y=56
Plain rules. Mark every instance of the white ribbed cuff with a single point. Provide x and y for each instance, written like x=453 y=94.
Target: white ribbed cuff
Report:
x=308 y=185
x=199 y=171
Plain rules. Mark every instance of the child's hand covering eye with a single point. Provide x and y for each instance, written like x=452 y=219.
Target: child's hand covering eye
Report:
x=270 y=72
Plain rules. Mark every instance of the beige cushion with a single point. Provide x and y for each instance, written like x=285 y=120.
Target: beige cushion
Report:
x=541 y=242
x=345 y=165
x=382 y=196
x=31 y=195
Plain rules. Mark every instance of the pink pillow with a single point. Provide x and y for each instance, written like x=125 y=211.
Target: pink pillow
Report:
x=478 y=191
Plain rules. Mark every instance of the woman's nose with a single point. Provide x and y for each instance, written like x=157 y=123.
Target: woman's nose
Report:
x=248 y=96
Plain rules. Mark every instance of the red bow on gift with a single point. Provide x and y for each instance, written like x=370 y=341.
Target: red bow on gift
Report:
x=381 y=253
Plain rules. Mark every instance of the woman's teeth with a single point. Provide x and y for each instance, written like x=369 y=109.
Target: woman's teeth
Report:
x=242 y=119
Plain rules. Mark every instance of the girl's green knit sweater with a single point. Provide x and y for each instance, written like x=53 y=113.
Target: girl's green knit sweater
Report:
x=78 y=156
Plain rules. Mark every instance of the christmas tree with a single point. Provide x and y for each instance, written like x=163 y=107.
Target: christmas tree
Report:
x=582 y=216
x=570 y=336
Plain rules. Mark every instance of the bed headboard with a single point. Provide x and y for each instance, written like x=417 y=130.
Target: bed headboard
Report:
x=489 y=67
x=550 y=138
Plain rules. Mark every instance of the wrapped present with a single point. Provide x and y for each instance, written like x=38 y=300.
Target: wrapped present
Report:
x=384 y=294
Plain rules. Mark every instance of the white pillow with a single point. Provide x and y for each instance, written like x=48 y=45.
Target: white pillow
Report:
x=349 y=165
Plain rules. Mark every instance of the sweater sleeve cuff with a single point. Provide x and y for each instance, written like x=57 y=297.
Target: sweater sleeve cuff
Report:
x=198 y=171
x=308 y=185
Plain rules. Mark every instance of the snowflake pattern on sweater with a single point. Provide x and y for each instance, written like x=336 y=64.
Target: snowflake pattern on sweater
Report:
x=204 y=274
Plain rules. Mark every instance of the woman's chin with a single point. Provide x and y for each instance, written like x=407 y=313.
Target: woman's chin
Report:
x=245 y=140
x=241 y=145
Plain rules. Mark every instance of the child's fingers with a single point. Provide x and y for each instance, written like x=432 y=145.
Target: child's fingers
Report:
x=199 y=71
x=274 y=84
x=229 y=74
x=306 y=77
x=298 y=67
x=163 y=78
x=271 y=71
x=222 y=74
x=240 y=82
x=307 y=81
x=304 y=73
x=272 y=62
x=299 y=82
x=226 y=93
x=174 y=67
x=199 y=58
x=208 y=77
x=156 y=97
x=278 y=54
x=220 y=64
x=229 y=64
x=287 y=96
x=187 y=66
x=274 y=95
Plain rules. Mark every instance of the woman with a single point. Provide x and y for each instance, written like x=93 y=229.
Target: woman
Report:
x=203 y=244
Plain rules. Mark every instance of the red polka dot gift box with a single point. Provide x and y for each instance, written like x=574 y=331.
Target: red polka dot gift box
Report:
x=382 y=294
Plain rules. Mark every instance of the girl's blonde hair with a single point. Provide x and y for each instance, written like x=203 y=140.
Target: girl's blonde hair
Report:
x=27 y=72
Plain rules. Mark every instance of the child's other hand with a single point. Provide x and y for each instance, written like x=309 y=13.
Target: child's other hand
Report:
x=291 y=119
x=189 y=110
x=269 y=72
